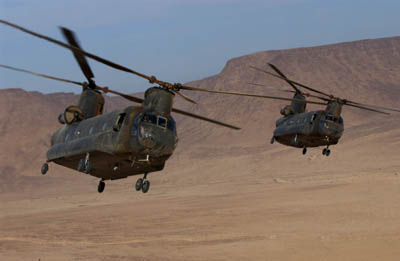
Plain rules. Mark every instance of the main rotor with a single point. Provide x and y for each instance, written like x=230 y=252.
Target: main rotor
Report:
x=327 y=98
x=80 y=55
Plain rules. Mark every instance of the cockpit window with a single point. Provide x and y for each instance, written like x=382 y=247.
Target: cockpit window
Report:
x=159 y=121
x=149 y=118
x=331 y=118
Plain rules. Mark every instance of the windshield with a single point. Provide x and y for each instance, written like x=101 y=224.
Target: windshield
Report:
x=159 y=121
x=331 y=118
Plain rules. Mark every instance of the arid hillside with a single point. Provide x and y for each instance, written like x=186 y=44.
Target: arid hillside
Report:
x=224 y=194
x=366 y=71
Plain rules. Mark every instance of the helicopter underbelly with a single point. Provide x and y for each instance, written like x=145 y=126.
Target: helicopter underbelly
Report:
x=301 y=141
x=308 y=133
x=109 y=167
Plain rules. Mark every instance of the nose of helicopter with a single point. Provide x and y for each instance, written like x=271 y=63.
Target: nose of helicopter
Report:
x=147 y=138
x=331 y=128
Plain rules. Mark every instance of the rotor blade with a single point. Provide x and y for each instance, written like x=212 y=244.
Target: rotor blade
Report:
x=205 y=119
x=283 y=76
x=71 y=38
x=41 y=75
x=104 y=89
x=366 y=108
x=151 y=79
x=372 y=106
x=270 y=87
x=328 y=95
x=291 y=91
x=297 y=83
x=262 y=85
x=250 y=95
x=126 y=96
x=185 y=97
x=257 y=84
x=139 y=100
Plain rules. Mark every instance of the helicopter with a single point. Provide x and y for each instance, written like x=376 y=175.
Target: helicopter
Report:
x=301 y=129
x=136 y=140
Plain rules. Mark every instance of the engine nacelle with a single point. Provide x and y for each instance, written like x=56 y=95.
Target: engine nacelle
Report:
x=71 y=114
x=287 y=110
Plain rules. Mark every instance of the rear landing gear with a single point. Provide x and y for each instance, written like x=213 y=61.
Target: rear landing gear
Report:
x=45 y=168
x=304 y=151
x=143 y=184
x=272 y=140
x=326 y=151
x=101 y=186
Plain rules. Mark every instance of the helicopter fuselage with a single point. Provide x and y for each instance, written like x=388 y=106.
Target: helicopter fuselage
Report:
x=118 y=144
x=309 y=129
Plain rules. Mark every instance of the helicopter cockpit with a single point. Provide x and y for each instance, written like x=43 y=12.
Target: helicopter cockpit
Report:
x=155 y=132
x=159 y=121
x=331 y=118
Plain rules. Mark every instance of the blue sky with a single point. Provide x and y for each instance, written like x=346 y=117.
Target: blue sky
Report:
x=176 y=40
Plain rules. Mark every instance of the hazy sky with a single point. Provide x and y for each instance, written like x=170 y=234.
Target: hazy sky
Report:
x=176 y=40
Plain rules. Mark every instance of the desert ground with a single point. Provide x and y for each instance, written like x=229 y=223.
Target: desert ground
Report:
x=266 y=202
x=223 y=195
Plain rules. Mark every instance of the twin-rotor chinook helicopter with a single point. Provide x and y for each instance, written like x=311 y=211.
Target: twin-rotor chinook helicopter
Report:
x=301 y=129
x=140 y=139
x=132 y=141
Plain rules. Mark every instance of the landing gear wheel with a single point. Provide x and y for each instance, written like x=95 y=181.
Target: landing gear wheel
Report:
x=101 y=186
x=272 y=140
x=324 y=151
x=304 y=151
x=139 y=184
x=146 y=186
x=45 y=168
x=81 y=165
x=328 y=152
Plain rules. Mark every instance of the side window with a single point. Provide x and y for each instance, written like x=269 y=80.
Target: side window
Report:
x=119 y=121
x=162 y=122
x=313 y=118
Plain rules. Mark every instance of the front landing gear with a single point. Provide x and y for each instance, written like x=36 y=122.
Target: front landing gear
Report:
x=304 y=151
x=326 y=151
x=44 y=169
x=143 y=184
x=101 y=186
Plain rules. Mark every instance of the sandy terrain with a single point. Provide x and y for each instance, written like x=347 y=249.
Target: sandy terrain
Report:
x=223 y=195
x=254 y=206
